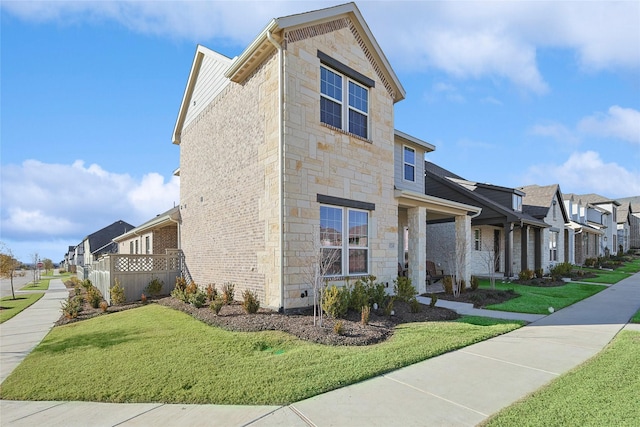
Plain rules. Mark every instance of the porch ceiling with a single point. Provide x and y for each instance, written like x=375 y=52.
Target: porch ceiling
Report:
x=437 y=208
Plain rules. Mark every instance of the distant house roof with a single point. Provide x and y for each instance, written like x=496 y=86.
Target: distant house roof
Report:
x=596 y=199
x=466 y=189
x=539 y=199
x=102 y=240
x=162 y=220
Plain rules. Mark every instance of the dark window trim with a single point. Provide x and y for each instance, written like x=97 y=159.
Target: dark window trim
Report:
x=345 y=69
x=348 y=203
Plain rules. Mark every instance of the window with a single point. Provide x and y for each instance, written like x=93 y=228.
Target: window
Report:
x=409 y=159
x=352 y=116
x=553 y=246
x=344 y=256
x=136 y=246
x=147 y=246
x=517 y=202
x=477 y=239
x=131 y=247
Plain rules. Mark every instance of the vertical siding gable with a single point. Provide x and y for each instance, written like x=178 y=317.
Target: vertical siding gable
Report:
x=210 y=82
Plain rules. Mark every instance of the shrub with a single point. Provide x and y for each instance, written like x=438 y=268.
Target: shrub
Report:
x=539 y=273
x=191 y=288
x=181 y=283
x=474 y=283
x=197 y=298
x=143 y=298
x=335 y=301
x=525 y=274
x=94 y=296
x=180 y=294
x=389 y=307
x=86 y=283
x=228 y=291
x=591 y=262
x=358 y=297
x=104 y=306
x=338 y=327
x=216 y=305
x=250 y=302
x=71 y=308
x=212 y=292
x=375 y=292
x=414 y=305
x=447 y=283
x=154 y=287
x=561 y=270
x=117 y=293
x=403 y=289
x=463 y=286
x=364 y=314
x=434 y=300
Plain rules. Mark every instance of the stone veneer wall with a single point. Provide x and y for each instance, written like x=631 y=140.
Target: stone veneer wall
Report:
x=327 y=161
x=229 y=188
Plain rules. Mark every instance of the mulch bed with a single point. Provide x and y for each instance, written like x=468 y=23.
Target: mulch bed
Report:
x=480 y=298
x=233 y=318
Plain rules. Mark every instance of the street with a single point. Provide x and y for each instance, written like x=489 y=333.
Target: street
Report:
x=18 y=282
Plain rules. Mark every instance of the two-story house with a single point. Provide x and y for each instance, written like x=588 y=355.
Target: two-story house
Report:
x=609 y=241
x=289 y=151
x=504 y=239
x=585 y=221
x=629 y=222
x=546 y=203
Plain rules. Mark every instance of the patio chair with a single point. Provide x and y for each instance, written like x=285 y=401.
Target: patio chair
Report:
x=433 y=275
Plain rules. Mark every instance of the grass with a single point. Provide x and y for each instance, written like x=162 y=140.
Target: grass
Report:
x=636 y=317
x=41 y=285
x=601 y=392
x=11 y=307
x=155 y=354
x=537 y=300
x=605 y=276
x=631 y=267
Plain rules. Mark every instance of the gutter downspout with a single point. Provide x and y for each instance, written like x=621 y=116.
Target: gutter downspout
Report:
x=280 y=158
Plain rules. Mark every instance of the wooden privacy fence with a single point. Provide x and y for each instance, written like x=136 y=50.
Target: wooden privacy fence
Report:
x=134 y=272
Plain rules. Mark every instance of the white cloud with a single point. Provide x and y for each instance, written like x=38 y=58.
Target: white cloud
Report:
x=467 y=40
x=586 y=172
x=618 y=122
x=57 y=201
x=556 y=131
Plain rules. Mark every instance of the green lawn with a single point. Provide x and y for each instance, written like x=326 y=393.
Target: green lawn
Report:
x=636 y=317
x=155 y=354
x=603 y=391
x=12 y=307
x=605 y=276
x=631 y=267
x=537 y=300
x=41 y=285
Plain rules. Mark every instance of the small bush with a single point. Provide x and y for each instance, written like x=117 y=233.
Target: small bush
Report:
x=463 y=286
x=364 y=314
x=198 y=298
x=358 y=296
x=434 y=300
x=181 y=283
x=525 y=275
x=154 y=287
x=94 y=297
x=389 y=307
x=104 y=306
x=71 y=308
x=375 y=291
x=338 y=327
x=414 y=305
x=86 y=283
x=212 y=292
x=216 y=305
x=335 y=301
x=474 y=283
x=403 y=289
x=447 y=283
x=117 y=293
x=539 y=273
x=561 y=270
x=591 y=262
x=250 y=302
x=180 y=294
x=191 y=288
x=228 y=292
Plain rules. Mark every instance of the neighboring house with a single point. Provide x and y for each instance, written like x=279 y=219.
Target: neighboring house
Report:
x=586 y=222
x=625 y=215
x=288 y=152
x=633 y=220
x=609 y=242
x=546 y=203
x=101 y=242
x=504 y=239
x=156 y=236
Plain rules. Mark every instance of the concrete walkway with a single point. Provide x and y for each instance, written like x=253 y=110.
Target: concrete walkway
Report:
x=460 y=388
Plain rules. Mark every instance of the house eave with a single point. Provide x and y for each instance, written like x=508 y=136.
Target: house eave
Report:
x=445 y=207
x=404 y=137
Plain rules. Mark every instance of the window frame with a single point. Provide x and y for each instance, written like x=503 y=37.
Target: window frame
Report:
x=405 y=163
x=553 y=245
x=346 y=245
x=477 y=239
x=516 y=202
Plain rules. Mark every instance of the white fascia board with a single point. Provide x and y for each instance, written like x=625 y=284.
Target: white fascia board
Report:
x=448 y=206
x=412 y=139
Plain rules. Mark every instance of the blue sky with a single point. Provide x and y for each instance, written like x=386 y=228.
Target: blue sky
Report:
x=510 y=93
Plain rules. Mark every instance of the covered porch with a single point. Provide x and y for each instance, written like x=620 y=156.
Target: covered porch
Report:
x=414 y=209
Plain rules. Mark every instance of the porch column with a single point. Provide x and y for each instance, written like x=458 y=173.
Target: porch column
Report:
x=524 y=247
x=508 y=249
x=463 y=246
x=537 y=239
x=417 y=218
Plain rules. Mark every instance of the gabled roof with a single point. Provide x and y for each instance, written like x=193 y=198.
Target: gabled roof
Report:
x=596 y=199
x=169 y=217
x=239 y=68
x=538 y=200
x=464 y=187
x=100 y=241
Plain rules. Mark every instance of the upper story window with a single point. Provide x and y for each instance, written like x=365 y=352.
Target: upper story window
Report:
x=409 y=162
x=517 y=202
x=477 y=239
x=344 y=97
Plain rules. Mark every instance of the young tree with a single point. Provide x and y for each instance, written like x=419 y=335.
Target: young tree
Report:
x=48 y=265
x=35 y=258
x=8 y=265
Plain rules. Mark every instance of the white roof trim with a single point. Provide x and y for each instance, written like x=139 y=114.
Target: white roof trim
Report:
x=412 y=139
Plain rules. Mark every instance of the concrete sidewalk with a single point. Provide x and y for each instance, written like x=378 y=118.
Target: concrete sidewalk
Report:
x=460 y=388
